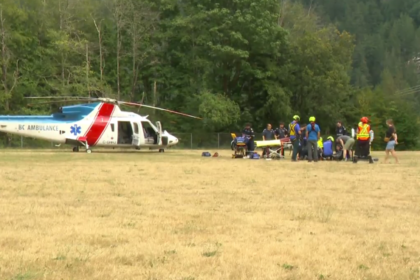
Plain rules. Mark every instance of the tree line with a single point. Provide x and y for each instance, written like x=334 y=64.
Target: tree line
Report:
x=230 y=62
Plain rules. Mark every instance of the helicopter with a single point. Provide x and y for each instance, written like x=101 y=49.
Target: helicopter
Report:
x=98 y=124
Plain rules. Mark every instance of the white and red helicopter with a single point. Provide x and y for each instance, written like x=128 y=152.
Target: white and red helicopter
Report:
x=98 y=124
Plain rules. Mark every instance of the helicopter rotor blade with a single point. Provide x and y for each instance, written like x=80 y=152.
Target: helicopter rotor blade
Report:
x=51 y=102
x=57 y=97
x=108 y=100
x=158 y=108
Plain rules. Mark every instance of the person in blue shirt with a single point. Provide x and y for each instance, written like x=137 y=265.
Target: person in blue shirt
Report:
x=328 y=148
x=294 y=132
x=312 y=135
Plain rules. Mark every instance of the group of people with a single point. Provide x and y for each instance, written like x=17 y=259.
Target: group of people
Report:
x=307 y=141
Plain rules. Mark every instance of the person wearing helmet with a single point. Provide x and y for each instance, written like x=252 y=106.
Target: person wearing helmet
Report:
x=313 y=133
x=294 y=132
x=363 y=137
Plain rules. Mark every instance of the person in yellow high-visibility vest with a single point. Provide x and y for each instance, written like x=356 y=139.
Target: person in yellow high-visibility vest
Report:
x=320 y=147
x=363 y=137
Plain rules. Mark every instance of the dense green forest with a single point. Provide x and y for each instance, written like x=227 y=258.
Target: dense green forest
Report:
x=230 y=61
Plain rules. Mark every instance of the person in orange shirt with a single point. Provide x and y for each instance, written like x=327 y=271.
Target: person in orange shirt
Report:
x=363 y=137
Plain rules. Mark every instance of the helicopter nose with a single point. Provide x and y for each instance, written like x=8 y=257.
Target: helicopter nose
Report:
x=173 y=140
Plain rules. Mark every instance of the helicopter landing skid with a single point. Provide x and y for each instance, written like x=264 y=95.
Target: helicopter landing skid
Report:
x=83 y=142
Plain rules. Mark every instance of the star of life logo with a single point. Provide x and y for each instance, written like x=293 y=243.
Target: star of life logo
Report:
x=75 y=129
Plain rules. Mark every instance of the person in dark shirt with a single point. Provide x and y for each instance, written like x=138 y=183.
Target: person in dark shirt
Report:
x=391 y=140
x=268 y=134
x=303 y=132
x=281 y=132
x=340 y=130
x=249 y=133
x=303 y=149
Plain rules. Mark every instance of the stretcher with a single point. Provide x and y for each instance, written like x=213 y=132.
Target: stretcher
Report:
x=239 y=146
x=274 y=148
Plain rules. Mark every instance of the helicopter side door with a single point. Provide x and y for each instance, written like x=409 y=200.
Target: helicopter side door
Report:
x=159 y=133
x=136 y=136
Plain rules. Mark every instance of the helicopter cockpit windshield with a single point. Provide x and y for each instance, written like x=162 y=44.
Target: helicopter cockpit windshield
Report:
x=150 y=133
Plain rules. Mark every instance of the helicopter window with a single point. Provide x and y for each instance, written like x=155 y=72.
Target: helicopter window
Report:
x=112 y=127
x=136 y=128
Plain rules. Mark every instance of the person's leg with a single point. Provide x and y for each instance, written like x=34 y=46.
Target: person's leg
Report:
x=251 y=145
x=248 y=147
x=315 y=150
x=309 y=149
x=295 y=149
x=387 y=151
x=364 y=148
x=351 y=147
x=386 y=155
x=394 y=154
x=391 y=148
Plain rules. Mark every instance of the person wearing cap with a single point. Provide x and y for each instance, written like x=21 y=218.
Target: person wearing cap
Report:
x=294 y=134
x=363 y=137
x=313 y=133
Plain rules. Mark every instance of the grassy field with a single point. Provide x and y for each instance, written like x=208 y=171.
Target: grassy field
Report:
x=177 y=215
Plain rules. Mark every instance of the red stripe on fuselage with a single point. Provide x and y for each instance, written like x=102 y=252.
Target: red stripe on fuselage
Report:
x=100 y=123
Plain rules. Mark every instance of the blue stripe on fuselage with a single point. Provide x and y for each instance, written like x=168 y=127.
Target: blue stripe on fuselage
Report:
x=70 y=114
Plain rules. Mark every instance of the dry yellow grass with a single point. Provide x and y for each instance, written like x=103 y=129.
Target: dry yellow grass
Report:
x=180 y=216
